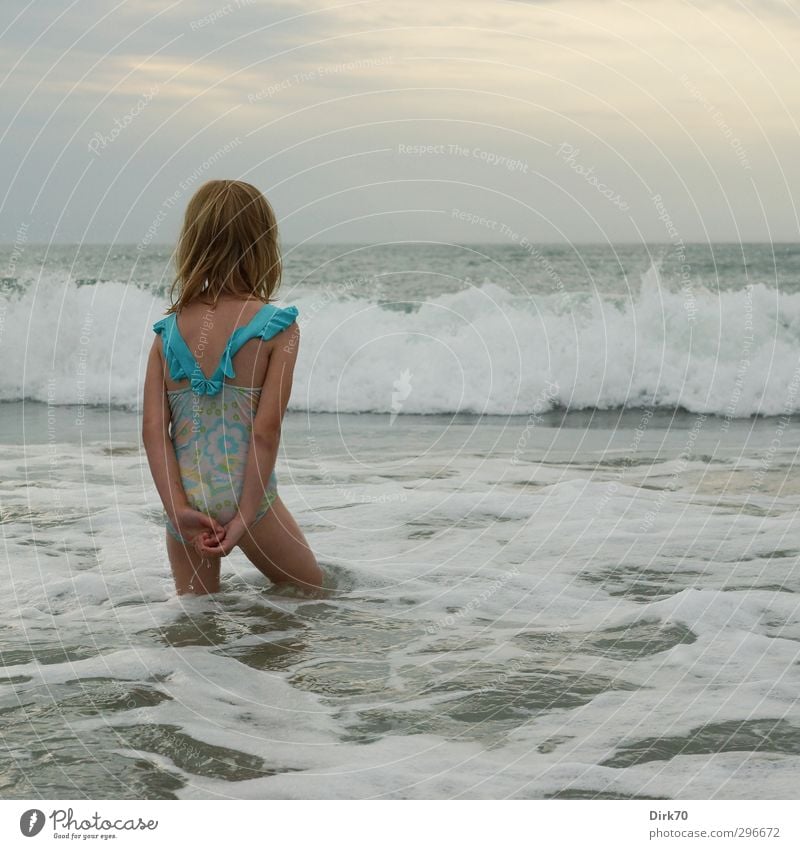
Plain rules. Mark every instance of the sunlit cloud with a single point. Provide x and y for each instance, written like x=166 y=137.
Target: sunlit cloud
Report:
x=656 y=95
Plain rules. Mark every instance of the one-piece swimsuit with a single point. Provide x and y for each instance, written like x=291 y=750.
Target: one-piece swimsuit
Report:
x=211 y=419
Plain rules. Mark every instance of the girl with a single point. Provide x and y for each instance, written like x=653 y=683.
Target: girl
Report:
x=218 y=381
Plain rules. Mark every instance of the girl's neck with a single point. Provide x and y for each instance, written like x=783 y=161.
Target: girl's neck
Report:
x=227 y=298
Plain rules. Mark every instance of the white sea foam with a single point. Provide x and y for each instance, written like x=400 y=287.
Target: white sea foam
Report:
x=501 y=631
x=480 y=350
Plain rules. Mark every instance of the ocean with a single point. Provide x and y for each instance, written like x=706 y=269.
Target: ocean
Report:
x=552 y=489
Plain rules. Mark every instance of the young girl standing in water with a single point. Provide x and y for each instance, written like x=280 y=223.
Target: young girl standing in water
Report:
x=218 y=381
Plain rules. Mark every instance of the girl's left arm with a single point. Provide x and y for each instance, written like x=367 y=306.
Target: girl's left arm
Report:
x=161 y=452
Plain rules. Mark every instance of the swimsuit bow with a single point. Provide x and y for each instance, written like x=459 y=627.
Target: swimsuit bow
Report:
x=203 y=385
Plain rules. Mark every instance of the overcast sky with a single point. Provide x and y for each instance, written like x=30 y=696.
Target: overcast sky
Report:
x=374 y=121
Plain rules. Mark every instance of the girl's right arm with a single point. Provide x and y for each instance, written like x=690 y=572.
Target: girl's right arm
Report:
x=161 y=453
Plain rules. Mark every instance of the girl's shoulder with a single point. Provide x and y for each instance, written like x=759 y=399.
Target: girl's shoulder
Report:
x=238 y=321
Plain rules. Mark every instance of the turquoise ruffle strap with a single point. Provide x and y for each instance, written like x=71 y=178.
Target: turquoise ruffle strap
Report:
x=170 y=340
x=266 y=323
x=278 y=320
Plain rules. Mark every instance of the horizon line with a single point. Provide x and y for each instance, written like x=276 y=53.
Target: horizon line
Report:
x=429 y=242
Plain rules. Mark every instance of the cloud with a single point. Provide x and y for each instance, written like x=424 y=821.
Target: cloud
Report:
x=303 y=85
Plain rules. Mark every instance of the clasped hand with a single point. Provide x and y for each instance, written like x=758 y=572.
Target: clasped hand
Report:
x=207 y=535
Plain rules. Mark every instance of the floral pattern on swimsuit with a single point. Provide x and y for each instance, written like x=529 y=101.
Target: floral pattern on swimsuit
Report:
x=211 y=436
x=212 y=420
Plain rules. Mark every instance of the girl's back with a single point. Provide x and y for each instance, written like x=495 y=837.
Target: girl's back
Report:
x=207 y=329
x=216 y=363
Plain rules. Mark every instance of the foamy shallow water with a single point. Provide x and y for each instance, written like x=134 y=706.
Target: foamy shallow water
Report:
x=596 y=605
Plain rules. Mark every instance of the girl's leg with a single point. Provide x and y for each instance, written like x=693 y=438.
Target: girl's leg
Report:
x=193 y=572
x=275 y=545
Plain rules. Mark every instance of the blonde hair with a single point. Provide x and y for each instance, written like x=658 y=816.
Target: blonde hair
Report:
x=228 y=245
